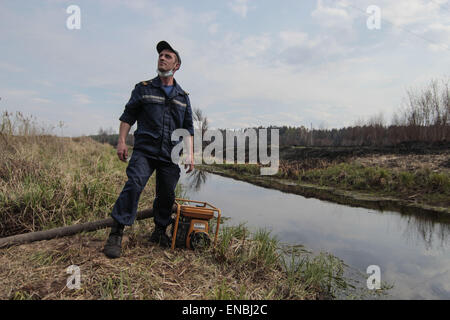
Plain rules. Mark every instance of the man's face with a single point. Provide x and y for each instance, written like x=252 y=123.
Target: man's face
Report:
x=167 y=61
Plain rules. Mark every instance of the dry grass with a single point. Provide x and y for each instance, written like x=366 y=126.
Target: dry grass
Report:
x=412 y=162
x=47 y=181
x=145 y=271
x=38 y=271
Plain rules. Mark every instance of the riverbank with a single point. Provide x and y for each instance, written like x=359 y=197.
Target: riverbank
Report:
x=48 y=182
x=242 y=266
x=405 y=182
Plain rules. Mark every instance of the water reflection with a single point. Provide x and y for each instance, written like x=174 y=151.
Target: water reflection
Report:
x=429 y=230
x=195 y=179
x=432 y=230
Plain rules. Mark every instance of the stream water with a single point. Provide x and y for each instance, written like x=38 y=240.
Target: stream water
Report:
x=412 y=251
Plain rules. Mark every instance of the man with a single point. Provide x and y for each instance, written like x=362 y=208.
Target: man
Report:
x=159 y=106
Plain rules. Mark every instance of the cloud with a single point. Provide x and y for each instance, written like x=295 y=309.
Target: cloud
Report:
x=139 y=6
x=405 y=13
x=81 y=98
x=426 y=20
x=303 y=50
x=293 y=38
x=264 y=94
x=296 y=48
x=322 y=67
x=10 y=67
x=234 y=48
x=440 y=35
x=254 y=46
x=40 y=100
x=411 y=19
x=213 y=28
x=240 y=7
x=19 y=93
x=335 y=18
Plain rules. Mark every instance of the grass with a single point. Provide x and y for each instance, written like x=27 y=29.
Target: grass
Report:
x=323 y=272
x=292 y=273
x=255 y=266
x=118 y=288
x=48 y=181
x=422 y=185
x=350 y=176
x=253 y=169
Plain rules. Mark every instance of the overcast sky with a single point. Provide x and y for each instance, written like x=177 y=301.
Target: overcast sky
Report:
x=245 y=62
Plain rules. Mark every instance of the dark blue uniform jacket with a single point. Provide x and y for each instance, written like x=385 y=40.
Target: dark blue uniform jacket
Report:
x=157 y=116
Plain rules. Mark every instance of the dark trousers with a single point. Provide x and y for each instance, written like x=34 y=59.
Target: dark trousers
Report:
x=139 y=170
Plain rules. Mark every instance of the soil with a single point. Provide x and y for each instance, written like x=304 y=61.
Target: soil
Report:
x=38 y=270
x=410 y=162
x=294 y=152
x=409 y=157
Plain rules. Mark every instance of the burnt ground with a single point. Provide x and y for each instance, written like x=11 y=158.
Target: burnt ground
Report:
x=406 y=156
x=332 y=153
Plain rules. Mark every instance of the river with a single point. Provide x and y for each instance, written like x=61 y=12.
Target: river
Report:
x=412 y=251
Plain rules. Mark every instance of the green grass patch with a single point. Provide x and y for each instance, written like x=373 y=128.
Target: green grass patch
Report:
x=294 y=273
x=346 y=176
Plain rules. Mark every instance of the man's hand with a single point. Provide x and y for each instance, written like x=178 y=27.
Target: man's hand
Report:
x=189 y=164
x=190 y=156
x=122 y=151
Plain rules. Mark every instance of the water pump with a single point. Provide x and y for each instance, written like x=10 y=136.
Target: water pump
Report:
x=190 y=228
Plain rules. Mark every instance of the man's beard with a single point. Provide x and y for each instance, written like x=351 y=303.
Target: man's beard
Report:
x=164 y=74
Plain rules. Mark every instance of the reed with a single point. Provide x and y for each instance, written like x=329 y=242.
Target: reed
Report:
x=48 y=181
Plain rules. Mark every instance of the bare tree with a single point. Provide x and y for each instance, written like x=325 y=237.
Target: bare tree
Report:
x=427 y=112
x=201 y=120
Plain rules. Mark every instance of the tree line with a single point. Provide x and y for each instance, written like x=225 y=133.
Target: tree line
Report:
x=424 y=117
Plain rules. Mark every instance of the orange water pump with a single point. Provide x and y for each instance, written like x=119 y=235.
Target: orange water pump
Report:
x=190 y=228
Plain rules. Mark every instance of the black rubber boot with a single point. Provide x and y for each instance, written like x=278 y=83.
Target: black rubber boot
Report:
x=160 y=237
x=113 y=246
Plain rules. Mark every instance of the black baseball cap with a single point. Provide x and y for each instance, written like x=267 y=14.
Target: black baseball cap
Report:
x=162 y=45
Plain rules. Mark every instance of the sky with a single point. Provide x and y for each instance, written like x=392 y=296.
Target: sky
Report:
x=245 y=63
